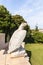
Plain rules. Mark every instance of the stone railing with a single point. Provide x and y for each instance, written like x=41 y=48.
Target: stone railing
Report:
x=2 y=40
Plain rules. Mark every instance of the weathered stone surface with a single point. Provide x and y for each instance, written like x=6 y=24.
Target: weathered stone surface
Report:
x=8 y=59
x=17 y=38
x=16 y=53
x=2 y=40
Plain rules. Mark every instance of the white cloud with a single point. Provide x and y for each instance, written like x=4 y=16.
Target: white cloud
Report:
x=24 y=10
x=32 y=12
x=36 y=19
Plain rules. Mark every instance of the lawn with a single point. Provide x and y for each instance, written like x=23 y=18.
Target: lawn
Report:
x=36 y=53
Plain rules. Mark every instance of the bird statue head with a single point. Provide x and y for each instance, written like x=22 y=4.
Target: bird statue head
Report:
x=21 y=27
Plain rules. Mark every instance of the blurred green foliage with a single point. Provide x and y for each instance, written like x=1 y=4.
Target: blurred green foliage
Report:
x=38 y=36
x=9 y=23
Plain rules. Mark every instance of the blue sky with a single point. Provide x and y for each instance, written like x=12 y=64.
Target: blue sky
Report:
x=31 y=10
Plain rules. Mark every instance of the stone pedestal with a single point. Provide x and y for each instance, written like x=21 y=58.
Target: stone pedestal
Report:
x=9 y=59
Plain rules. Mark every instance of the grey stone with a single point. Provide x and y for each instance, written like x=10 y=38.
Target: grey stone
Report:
x=17 y=38
x=2 y=40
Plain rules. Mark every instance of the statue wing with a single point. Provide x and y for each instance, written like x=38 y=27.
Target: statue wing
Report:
x=16 y=40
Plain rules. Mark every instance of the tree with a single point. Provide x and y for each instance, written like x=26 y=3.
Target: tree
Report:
x=18 y=19
x=29 y=38
x=38 y=37
x=5 y=19
x=9 y=23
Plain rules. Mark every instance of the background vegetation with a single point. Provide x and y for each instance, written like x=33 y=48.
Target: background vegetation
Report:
x=9 y=23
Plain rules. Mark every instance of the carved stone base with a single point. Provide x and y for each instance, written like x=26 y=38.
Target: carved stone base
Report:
x=9 y=59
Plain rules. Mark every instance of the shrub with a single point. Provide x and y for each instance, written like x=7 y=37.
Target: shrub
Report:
x=38 y=36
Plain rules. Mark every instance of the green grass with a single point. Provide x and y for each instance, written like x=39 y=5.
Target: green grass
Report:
x=36 y=53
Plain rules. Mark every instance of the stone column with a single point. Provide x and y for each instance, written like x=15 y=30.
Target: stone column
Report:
x=2 y=40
